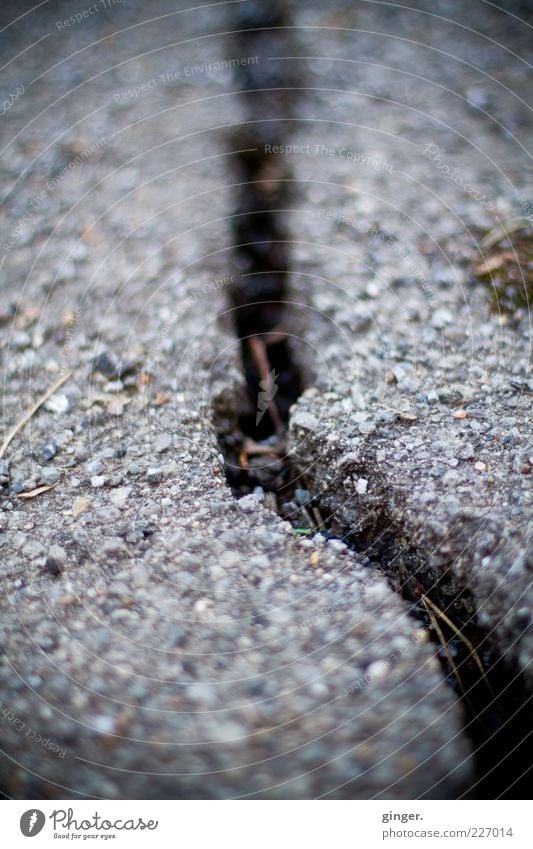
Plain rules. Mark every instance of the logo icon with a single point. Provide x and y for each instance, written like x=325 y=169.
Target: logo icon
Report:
x=269 y=389
x=32 y=822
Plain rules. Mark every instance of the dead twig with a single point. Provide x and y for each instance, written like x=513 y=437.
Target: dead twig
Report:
x=251 y=447
x=31 y=412
x=243 y=460
x=274 y=337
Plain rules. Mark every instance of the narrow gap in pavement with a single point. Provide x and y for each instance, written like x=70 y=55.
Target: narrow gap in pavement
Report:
x=491 y=691
x=490 y=688
x=256 y=449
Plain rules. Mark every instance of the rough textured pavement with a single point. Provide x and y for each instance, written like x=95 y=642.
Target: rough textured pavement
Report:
x=159 y=637
x=421 y=389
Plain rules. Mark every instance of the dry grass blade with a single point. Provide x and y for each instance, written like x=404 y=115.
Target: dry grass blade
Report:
x=404 y=414
x=34 y=492
x=444 y=645
x=31 y=412
x=501 y=231
x=306 y=513
x=427 y=601
x=318 y=518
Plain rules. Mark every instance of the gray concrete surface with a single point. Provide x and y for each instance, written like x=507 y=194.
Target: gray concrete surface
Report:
x=395 y=200
x=168 y=640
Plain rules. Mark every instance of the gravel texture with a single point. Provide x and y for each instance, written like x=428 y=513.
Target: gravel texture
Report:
x=161 y=639
x=420 y=388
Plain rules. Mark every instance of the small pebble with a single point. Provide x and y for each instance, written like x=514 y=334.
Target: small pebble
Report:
x=466 y=451
x=120 y=495
x=377 y=670
x=140 y=576
x=163 y=442
x=180 y=638
x=80 y=505
x=55 y=560
x=114 y=548
x=49 y=475
x=203 y=605
x=103 y=724
x=361 y=486
x=93 y=467
x=337 y=545
x=48 y=451
x=441 y=318
x=248 y=503
x=114 y=386
x=108 y=363
x=304 y=420
x=58 y=404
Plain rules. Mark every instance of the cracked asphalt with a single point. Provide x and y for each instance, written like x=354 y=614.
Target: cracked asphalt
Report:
x=159 y=637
